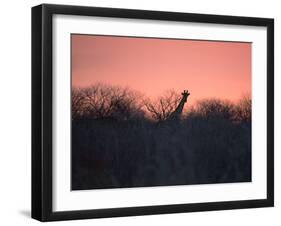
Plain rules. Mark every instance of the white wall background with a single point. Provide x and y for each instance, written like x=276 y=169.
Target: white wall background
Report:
x=15 y=113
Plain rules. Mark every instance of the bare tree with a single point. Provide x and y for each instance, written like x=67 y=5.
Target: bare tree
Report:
x=162 y=108
x=105 y=101
x=244 y=109
x=98 y=101
x=217 y=108
x=77 y=102
x=211 y=108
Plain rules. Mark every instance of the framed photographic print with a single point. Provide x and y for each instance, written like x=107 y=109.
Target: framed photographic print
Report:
x=145 y=112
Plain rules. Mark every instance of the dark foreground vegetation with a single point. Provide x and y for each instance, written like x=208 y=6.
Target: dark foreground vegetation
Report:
x=120 y=139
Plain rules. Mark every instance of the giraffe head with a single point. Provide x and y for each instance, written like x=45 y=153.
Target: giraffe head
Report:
x=185 y=94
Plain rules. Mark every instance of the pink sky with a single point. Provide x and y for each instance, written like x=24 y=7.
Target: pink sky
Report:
x=208 y=69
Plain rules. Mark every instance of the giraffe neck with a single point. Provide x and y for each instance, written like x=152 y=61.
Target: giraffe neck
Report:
x=180 y=107
x=177 y=113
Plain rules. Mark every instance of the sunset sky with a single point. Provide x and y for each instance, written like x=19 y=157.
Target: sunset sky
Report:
x=206 y=68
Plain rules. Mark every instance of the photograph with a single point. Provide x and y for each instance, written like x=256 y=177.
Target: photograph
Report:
x=150 y=111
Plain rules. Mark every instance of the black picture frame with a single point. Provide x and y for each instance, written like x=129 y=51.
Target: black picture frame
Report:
x=42 y=106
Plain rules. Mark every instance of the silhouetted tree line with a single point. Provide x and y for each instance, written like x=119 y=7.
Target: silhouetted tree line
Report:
x=122 y=139
x=111 y=102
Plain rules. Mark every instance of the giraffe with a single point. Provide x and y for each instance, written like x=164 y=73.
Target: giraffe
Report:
x=176 y=114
